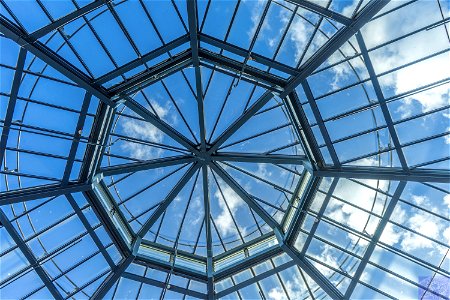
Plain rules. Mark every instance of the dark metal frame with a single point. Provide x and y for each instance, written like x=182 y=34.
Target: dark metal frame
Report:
x=203 y=156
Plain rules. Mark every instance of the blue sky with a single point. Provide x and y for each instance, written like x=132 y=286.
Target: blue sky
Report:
x=413 y=80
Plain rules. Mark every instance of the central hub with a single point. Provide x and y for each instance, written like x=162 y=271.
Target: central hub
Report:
x=204 y=157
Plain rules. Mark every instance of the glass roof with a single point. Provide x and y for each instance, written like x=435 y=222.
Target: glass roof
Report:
x=200 y=149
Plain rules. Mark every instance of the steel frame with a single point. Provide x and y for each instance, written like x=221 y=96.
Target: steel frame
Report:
x=203 y=155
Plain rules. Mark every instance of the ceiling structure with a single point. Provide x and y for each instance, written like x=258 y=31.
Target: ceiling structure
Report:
x=224 y=149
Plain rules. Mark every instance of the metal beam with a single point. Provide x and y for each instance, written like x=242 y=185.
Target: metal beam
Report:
x=382 y=101
x=379 y=173
x=240 y=191
x=260 y=158
x=97 y=142
x=109 y=281
x=209 y=250
x=12 y=102
x=76 y=138
x=160 y=124
x=156 y=73
x=157 y=283
x=305 y=201
x=301 y=124
x=43 y=191
x=67 y=19
x=374 y=240
x=245 y=53
x=321 y=124
x=147 y=165
x=168 y=267
x=322 y=11
x=256 y=278
x=193 y=34
x=248 y=262
x=309 y=268
x=29 y=256
x=54 y=60
x=308 y=67
x=169 y=198
x=142 y=60
x=89 y=229
x=235 y=66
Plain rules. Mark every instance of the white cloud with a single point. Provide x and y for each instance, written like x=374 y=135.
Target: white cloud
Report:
x=447 y=137
x=295 y=288
x=224 y=221
x=256 y=13
x=408 y=50
x=141 y=130
x=447 y=200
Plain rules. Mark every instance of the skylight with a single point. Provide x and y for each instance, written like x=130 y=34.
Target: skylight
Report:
x=225 y=149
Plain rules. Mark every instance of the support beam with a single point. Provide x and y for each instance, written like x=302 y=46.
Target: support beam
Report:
x=112 y=278
x=324 y=12
x=167 y=267
x=157 y=283
x=160 y=124
x=54 y=60
x=321 y=124
x=256 y=278
x=169 y=198
x=226 y=63
x=40 y=192
x=319 y=57
x=193 y=34
x=240 y=191
x=29 y=256
x=12 y=103
x=209 y=250
x=260 y=158
x=67 y=19
x=245 y=53
x=382 y=101
x=142 y=60
x=77 y=136
x=97 y=143
x=146 y=165
x=309 y=268
x=89 y=229
x=156 y=73
x=376 y=236
x=301 y=124
x=378 y=173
